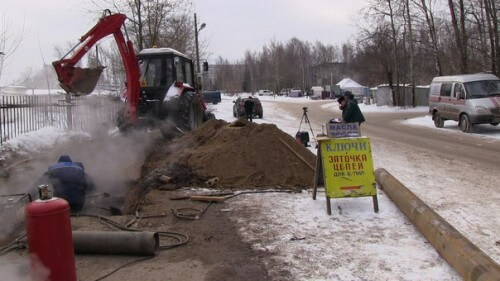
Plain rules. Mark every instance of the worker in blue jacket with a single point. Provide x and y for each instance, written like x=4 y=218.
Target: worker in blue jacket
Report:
x=69 y=181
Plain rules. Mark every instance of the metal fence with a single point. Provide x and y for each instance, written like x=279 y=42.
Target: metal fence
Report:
x=22 y=114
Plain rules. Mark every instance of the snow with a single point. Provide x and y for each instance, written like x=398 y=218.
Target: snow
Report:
x=39 y=140
x=451 y=127
x=355 y=243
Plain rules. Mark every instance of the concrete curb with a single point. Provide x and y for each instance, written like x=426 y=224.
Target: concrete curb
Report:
x=467 y=259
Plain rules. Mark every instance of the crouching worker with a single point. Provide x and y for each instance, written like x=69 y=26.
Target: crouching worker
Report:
x=69 y=181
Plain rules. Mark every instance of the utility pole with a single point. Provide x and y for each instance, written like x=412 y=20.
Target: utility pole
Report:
x=196 y=30
x=196 y=42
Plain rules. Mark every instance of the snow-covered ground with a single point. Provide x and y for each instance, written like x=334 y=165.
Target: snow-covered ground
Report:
x=450 y=126
x=353 y=244
x=37 y=141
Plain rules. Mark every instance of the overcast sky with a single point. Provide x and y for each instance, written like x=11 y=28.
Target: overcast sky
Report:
x=233 y=26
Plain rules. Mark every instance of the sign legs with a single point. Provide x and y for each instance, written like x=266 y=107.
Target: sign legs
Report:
x=317 y=172
x=375 y=203
x=328 y=206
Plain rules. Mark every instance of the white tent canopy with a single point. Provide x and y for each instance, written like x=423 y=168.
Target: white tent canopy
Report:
x=348 y=83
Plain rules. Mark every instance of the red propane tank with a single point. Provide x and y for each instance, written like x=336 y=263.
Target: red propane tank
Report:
x=50 y=242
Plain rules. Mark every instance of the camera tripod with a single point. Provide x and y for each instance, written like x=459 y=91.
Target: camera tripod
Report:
x=304 y=119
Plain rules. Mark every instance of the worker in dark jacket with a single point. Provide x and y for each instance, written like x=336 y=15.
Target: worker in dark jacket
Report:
x=352 y=113
x=249 y=104
x=342 y=106
x=69 y=181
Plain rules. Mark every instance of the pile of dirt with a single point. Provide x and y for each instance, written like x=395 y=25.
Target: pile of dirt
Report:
x=241 y=154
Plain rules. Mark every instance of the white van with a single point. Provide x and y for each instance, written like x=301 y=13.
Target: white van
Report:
x=469 y=99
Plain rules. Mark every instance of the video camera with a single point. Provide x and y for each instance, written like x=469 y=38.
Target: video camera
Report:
x=304 y=108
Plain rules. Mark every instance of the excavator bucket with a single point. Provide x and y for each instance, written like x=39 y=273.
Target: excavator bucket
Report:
x=83 y=80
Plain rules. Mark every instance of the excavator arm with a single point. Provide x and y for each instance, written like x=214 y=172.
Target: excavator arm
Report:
x=83 y=81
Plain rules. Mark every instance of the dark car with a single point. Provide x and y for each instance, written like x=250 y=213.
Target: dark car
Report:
x=239 y=107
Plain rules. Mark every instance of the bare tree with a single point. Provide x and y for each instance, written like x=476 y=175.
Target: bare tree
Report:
x=10 y=39
x=412 y=52
x=460 y=33
x=491 y=11
x=427 y=10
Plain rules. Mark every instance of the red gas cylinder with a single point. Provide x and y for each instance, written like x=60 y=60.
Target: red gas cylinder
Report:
x=50 y=242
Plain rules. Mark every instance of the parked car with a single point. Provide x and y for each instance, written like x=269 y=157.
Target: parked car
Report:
x=295 y=93
x=239 y=107
x=212 y=97
x=469 y=99
x=265 y=93
x=284 y=92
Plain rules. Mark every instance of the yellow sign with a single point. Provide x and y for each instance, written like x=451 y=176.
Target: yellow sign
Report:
x=348 y=167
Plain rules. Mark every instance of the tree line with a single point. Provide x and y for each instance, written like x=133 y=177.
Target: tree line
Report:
x=398 y=42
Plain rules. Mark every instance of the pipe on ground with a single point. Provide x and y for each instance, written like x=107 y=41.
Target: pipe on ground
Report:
x=115 y=242
x=466 y=258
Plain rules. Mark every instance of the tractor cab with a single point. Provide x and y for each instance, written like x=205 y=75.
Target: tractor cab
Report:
x=160 y=68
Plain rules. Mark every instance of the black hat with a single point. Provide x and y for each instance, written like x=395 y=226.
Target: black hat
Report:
x=349 y=95
x=340 y=99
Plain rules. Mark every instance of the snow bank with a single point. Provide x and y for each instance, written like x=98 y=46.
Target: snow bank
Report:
x=39 y=140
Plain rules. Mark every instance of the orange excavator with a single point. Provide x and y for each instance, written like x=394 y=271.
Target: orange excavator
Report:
x=160 y=82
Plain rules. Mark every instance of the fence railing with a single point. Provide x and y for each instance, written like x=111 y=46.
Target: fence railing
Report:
x=22 y=114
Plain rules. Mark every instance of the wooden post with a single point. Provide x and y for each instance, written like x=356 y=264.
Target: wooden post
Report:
x=317 y=172
x=69 y=113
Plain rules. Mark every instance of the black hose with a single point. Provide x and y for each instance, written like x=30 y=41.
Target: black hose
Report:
x=122 y=266
x=18 y=243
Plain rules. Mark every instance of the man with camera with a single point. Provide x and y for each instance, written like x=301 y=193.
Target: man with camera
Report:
x=351 y=113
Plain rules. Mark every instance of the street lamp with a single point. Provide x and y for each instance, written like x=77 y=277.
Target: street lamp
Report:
x=196 y=30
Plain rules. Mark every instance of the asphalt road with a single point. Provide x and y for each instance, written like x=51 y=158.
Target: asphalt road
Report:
x=471 y=148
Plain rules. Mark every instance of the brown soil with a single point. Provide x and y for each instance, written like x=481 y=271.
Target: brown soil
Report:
x=241 y=154
x=214 y=251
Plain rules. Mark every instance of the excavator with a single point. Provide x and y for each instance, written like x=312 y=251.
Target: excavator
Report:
x=160 y=85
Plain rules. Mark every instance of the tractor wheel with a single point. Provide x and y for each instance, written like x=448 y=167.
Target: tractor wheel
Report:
x=465 y=124
x=438 y=121
x=189 y=112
